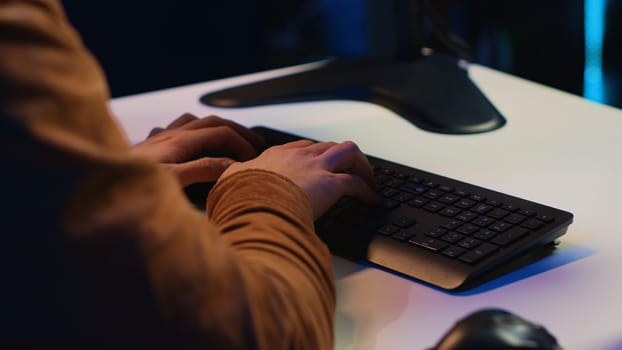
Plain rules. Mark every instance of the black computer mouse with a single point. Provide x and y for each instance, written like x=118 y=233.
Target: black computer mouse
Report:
x=496 y=329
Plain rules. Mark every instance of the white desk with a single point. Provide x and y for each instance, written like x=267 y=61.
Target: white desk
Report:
x=556 y=148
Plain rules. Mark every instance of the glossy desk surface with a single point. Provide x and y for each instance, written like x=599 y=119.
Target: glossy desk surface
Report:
x=557 y=149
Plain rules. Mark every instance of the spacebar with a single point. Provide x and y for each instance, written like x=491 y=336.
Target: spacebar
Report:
x=428 y=243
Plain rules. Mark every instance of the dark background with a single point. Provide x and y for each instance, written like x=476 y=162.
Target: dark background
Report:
x=148 y=45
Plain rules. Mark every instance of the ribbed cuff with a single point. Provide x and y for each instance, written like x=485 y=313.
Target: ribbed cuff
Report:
x=258 y=188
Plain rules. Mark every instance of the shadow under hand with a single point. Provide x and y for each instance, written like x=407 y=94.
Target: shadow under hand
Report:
x=197 y=194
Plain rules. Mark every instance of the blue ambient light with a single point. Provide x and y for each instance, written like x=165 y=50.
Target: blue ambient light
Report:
x=593 y=84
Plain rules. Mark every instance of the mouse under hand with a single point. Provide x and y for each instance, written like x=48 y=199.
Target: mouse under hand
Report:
x=496 y=329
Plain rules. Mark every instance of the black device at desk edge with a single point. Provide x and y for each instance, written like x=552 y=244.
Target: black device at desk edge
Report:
x=434 y=93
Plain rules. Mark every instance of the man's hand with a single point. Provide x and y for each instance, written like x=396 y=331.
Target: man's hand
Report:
x=325 y=171
x=178 y=145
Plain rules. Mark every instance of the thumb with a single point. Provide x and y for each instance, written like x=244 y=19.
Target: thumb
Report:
x=201 y=170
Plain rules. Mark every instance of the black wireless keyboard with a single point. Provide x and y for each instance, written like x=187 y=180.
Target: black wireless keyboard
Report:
x=435 y=229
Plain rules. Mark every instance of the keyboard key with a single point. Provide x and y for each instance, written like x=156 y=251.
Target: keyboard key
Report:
x=453 y=251
x=418 y=202
x=465 y=203
x=509 y=237
x=468 y=229
x=413 y=188
x=452 y=237
x=477 y=198
x=498 y=213
x=453 y=224
x=446 y=189
x=545 y=218
x=403 y=235
x=469 y=243
x=483 y=221
x=415 y=179
x=450 y=212
x=433 y=194
x=449 y=199
x=482 y=208
x=493 y=203
x=485 y=235
x=461 y=193
x=433 y=207
x=466 y=216
x=515 y=219
x=437 y=233
x=388 y=230
x=404 y=222
x=500 y=226
x=527 y=212
x=478 y=253
x=511 y=207
x=532 y=224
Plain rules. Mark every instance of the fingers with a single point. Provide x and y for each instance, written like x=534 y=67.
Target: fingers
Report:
x=182 y=120
x=296 y=144
x=299 y=143
x=200 y=170
x=343 y=157
x=155 y=131
x=325 y=171
x=221 y=139
x=190 y=122
x=308 y=147
x=213 y=121
x=317 y=149
x=346 y=157
x=354 y=186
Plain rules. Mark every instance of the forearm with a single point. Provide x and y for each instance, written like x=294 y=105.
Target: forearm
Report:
x=268 y=222
x=255 y=277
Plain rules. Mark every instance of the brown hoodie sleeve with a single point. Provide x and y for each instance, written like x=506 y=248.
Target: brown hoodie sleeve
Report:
x=101 y=248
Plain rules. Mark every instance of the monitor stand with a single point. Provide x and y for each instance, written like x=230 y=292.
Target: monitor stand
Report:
x=434 y=92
